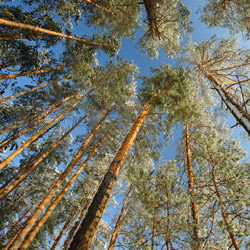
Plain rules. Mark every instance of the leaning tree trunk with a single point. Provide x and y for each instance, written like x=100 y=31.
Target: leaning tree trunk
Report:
x=32 y=73
x=53 y=33
x=195 y=215
x=85 y=235
x=238 y=112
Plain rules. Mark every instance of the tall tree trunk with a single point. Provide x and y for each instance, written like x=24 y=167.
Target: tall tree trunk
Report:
x=35 y=88
x=38 y=211
x=119 y=220
x=154 y=226
x=195 y=214
x=53 y=33
x=18 y=180
x=74 y=228
x=33 y=232
x=238 y=112
x=223 y=210
x=42 y=131
x=32 y=73
x=87 y=230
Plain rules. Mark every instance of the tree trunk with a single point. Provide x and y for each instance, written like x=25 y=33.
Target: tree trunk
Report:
x=38 y=211
x=119 y=220
x=32 y=73
x=195 y=214
x=87 y=230
x=53 y=33
x=238 y=112
x=99 y=6
x=42 y=131
x=35 y=88
x=223 y=211
x=33 y=232
x=74 y=228
x=17 y=181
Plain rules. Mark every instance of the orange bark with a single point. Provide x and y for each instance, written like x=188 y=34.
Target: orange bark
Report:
x=35 y=88
x=33 y=233
x=3 y=193
x=40 y=208
x=98 y=6
x=43 y=130
x=119 y=220
x=31 y=73
x=53 y=33
x=195 y=214
x=84 y=237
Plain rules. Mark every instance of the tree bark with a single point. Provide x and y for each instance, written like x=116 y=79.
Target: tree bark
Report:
x=195 y=214
x=31 y=73
x=74 y=228
x=18 y=180
x=87 y=230
x=53 y=33
x=40 y=208
x=42 y=131
x=99 y=6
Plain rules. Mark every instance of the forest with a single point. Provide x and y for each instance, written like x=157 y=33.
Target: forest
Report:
x=120 y=130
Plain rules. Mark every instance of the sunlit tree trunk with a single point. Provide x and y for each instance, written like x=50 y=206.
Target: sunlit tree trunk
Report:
x=53 y=33
x=223 y=210
x=38 y=211
x=33 y=233
x=18 y=180
x=119 y=221
x=43 y=130
x=195 y=214
x=31 y=73
x=98 y=6
x=87 y=230
x=35 y=88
